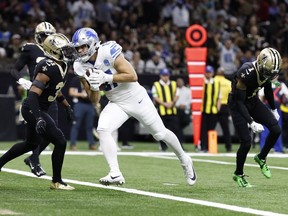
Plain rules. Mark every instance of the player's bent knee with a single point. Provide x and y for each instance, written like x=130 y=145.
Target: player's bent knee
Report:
x=160 y=136
x=62 y=143
x=275 y=129
x=246 y=143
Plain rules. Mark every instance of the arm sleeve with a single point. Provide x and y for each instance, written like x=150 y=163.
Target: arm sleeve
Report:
x=239 y=97
x=268 y=91
x=33 y=102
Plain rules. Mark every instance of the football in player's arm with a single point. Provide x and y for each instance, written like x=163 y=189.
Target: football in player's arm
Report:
x=105 y=68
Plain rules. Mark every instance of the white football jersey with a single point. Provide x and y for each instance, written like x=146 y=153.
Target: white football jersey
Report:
x=107 y=53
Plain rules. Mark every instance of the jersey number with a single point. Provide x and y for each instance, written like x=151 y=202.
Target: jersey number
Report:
x=58 y=90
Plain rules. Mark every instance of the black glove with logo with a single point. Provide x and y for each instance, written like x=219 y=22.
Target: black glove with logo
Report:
x=69 y=113
x=40 y=125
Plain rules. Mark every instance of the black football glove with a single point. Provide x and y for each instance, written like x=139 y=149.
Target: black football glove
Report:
x=69 y=113
x=40 y=125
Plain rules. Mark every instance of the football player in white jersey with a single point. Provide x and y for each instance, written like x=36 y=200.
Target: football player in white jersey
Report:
x=104 y=66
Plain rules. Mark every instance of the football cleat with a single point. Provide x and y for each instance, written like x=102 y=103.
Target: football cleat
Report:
x=263 y=166
x=112 y=179
x=36 y=168
x=60 y=186
x=189 y=171
x=127 y=146
x=241 y=181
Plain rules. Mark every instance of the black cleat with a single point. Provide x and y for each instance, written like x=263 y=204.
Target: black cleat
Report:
x=36 y=168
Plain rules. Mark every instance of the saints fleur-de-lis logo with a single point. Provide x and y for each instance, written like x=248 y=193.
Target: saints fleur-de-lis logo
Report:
x=242 y=75
x=44 y=68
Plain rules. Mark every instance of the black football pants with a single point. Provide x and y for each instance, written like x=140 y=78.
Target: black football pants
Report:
x=52 y=134
x=262 y=115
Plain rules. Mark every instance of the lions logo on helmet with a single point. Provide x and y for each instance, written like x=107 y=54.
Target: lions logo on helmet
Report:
x=269 y=63
x=42 y=30
x=57 y=46
x=88 y=37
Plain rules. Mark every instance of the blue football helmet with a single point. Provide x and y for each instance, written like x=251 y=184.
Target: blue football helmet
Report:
x=88 y=37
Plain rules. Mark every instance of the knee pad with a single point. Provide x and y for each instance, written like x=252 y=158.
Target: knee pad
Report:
x=160 y=135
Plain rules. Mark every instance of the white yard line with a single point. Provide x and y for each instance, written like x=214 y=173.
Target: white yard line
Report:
x=218 y=162
x=8 y=212
x=93 y=153
x=158 y=195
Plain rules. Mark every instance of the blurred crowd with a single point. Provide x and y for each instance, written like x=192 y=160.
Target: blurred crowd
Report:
x=152 y=32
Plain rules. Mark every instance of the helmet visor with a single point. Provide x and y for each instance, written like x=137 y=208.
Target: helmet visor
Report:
x=69 y=53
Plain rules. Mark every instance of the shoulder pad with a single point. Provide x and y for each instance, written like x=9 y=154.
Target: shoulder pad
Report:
x=245 y=70
x=110 y=49
x=31 y=47
x=27 y=46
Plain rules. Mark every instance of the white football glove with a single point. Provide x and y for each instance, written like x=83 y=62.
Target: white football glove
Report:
x=26 y=84
x=256 y=128
x=99 y=77
x=94 y=87
x=276 y=114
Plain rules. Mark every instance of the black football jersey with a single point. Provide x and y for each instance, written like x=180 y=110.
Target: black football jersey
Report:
x=250 y=76
x=31 y=55
x=57 y=75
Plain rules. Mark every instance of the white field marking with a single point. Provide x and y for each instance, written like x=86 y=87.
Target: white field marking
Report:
x=169 y=184
x=8 y=212
x=94 y=153
x=157 y=195
x=218 y=162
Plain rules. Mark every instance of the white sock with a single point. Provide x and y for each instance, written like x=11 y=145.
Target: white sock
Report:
x=172 y=141
x=109 y=149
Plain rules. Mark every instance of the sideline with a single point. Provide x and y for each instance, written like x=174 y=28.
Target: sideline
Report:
x=156 y=195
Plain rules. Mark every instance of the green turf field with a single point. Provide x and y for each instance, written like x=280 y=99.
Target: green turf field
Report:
x=155 y=185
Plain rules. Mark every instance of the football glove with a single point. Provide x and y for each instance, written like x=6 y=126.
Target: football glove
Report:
x=26 y=84
x=276 y=114
x=40 y=125
x=69 y=113
x=256 y=128
x=94 y=87
x=99 y=77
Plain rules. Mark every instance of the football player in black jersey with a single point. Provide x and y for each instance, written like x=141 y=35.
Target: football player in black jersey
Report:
x=49 y=79
x=247 y=109
x=32 y=54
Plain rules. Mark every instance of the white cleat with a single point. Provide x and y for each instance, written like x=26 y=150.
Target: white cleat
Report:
x=189 y=171
x=112 y=179
x=60 y=186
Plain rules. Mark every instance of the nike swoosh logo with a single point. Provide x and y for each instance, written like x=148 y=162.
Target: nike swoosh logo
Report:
x=194 y=176
x=140 y=101
x=114 y=177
